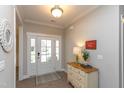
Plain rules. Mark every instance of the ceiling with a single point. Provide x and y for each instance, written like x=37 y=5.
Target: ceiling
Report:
x=41 y=14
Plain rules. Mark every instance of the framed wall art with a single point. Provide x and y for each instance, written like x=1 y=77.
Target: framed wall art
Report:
x=91 y=44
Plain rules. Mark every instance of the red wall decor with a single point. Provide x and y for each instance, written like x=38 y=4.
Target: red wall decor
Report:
x=90 y=44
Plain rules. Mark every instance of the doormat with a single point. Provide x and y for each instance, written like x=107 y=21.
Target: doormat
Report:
x=48 y=77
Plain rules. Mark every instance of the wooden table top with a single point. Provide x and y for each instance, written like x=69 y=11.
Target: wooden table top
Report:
x=85 y=69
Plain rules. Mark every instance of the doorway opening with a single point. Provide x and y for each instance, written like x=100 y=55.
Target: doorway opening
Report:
x=43 y=57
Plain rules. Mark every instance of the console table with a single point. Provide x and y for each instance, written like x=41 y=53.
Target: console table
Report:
x=82 y=77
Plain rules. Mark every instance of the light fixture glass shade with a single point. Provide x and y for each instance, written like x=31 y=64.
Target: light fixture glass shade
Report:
x=56 y=12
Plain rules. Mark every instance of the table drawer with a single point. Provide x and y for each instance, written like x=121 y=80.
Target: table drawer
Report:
x=83 y=74
x=75 y=70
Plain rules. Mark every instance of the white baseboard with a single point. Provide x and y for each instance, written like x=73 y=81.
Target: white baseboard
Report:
x=64 y=70
x=25 y=76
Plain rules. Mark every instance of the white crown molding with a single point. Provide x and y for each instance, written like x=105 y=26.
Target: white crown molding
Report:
x=18 y=14
x=43 y=23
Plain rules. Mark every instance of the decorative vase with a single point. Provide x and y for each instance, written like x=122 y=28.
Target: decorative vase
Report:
x=85 y=63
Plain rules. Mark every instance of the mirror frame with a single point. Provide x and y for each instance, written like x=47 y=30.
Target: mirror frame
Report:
x=4 y=28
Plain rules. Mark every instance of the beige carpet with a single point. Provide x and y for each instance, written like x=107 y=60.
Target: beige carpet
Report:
x=59 y=83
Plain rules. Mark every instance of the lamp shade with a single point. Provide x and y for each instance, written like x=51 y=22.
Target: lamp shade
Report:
x=76 y=50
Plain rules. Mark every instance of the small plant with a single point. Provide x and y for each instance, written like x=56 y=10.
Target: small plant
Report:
x=85 y=55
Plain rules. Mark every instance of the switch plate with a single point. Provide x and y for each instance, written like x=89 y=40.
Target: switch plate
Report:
x=100 y=57
x=2 y=65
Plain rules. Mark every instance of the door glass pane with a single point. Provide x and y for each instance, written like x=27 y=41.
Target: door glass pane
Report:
x=48 y=51
x=48 y=43
x=57 y=56
x=48 y=58
x=43 y=58
x=43 y=42
x=57 y=50
x=32 y=50
x=57 y=43
x=45 y=50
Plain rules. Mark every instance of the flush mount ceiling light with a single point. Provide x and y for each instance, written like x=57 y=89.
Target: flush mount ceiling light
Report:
x=56 y=11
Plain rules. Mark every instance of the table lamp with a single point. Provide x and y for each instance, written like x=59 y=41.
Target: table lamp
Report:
x=76 y=51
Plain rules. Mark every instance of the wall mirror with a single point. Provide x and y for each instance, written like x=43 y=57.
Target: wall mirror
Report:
x=6 y=38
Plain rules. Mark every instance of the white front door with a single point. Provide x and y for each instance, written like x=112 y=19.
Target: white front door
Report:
x=43 y=55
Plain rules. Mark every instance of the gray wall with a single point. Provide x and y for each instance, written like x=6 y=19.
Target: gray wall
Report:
x=102 y=25
x=28 y=27
x=7 y=77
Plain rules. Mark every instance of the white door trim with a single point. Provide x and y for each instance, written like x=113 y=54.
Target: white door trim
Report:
x=14 y=38
x=20 y=44
x=41 y=34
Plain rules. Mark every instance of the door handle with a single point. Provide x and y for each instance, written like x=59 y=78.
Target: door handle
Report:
x=38 y=54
